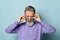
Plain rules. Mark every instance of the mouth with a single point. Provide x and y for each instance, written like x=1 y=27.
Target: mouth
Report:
x=30 y=23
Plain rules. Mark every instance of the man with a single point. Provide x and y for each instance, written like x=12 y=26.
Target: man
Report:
x=33 y=28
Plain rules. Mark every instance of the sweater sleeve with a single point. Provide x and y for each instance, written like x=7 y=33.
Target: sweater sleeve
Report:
x=11 y=28
x=47 y=28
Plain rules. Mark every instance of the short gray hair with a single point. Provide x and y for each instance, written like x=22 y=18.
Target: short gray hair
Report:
x=30 y=8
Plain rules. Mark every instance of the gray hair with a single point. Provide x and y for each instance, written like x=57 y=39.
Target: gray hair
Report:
x=30 y=8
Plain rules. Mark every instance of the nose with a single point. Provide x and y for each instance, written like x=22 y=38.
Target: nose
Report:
x=29 y=18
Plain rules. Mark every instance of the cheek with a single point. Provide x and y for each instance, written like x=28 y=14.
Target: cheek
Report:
x=29 y=17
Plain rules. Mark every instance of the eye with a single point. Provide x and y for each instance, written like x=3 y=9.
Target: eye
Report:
x=27 y=16
x=32 y=16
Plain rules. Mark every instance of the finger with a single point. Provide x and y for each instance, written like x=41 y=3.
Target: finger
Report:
x=36 y=15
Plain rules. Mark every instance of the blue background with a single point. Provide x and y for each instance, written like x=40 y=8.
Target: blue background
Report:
x=11 y=10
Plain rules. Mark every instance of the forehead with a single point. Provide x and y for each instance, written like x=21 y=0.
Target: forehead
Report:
x=29 y=13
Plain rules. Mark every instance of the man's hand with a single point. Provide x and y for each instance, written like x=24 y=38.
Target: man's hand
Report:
x=37 y=18
x=21 y=19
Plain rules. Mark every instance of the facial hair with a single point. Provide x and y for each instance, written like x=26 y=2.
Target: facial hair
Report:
x=30 y=23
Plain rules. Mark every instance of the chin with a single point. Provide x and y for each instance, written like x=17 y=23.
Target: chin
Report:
x=28 y=21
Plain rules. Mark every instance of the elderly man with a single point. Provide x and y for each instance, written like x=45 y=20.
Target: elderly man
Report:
x=33 y=27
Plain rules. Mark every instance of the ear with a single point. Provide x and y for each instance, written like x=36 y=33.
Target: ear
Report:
x=35 y=14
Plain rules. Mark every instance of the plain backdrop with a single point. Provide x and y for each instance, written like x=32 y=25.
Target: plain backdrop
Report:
x=11 y=10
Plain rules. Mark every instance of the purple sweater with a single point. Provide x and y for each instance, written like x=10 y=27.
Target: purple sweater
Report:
x=30 y=33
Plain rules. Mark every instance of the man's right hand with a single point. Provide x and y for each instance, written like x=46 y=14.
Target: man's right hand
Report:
x=21 y=19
